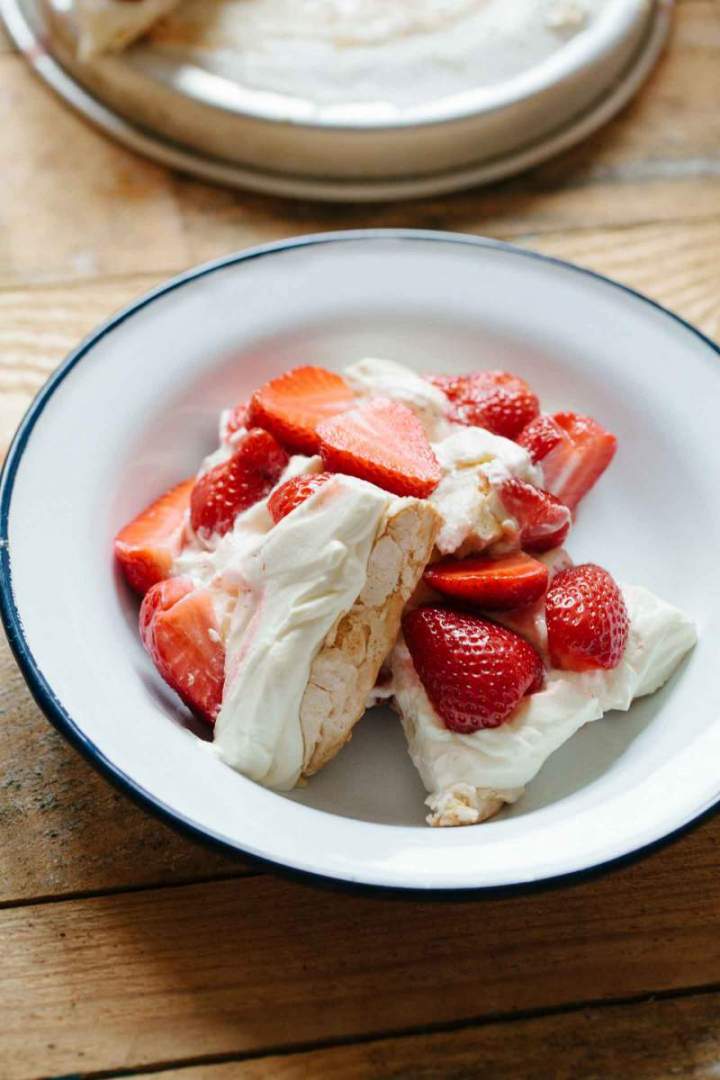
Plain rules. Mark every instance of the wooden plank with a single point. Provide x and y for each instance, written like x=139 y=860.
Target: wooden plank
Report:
x=100 y=210
x=659 y=1040
x=73 y=203
x=6 y=46
x=125 y=981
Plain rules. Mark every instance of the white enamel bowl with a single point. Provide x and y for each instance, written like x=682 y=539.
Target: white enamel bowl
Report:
x=133 y=410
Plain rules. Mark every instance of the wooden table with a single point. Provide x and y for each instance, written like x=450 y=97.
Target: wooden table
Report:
x=125 y=949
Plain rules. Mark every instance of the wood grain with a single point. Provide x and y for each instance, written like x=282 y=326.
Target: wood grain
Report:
x=257 y=964
x=658 y=1040
x=72 y=203
x=6 y=46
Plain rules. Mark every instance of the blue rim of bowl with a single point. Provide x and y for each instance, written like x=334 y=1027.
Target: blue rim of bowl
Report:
x=53 y=708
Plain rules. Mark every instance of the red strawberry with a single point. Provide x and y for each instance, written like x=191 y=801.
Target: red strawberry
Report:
x=235 y=421
x=496 y=400
x=543 y=520
x=587 y=620
x=474 y=671
x=574 y=451
x=292 y=406
x=145 y=548
x=381 y=441
x=236 y=484
x=515 y=581
x=294 y=492
x=179 y=630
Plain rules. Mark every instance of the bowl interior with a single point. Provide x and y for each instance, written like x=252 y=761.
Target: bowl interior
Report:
x=138 y=409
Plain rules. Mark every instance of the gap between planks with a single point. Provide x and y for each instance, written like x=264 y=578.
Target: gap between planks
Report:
x=655 y=1038
x=235 y=967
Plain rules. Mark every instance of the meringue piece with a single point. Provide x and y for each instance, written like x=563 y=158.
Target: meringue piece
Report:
x=321 y=603
x=497 y=763
x=474 y=464
x=343 y=675
x=463 y=804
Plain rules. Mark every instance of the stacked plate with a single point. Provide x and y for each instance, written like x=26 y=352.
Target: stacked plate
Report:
x=464 y=93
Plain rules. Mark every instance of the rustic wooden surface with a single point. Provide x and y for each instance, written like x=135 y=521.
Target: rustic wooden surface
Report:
x=128 y=950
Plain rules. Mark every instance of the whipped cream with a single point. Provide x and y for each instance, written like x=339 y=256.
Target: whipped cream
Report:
x=385 y=378
x=498 y=763
x=474 y=464
x=214 y=562
x=299 y=580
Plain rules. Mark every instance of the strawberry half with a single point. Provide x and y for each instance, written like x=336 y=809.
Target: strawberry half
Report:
x=292 y=406
x=180 y=632
x=475 y=672
x=587 y=620
x=146 y=546
x=236 y=484
x=496 y=400
x=381 y=441
x=543 y=520
x=294 y=492
x=507 y=584
x=574 y=451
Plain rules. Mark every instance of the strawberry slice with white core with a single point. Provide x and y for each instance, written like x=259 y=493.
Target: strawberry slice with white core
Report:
x=146 y=547
x=475 y=672
x=506 y=584
x=236 y=484
x=381 y=441
x=543 y=520
x=179 y=629
x=292 y=406
x=573 y=451
x=294 y=492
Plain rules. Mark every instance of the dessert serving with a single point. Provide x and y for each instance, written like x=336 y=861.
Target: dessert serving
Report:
x=378 y=536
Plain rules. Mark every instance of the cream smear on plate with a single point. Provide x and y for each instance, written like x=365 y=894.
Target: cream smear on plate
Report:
x=404 y=53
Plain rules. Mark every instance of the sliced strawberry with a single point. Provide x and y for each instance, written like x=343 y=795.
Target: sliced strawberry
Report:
x=587 y=620
x=541 y=436
x=381 y=441
x=294 y=492
x=496 y=400
x=574 y=451
x=507 y=584
x=180 y=632
x=543 y=520
x=145 y=548
x=234 y=420
x=236 y=484
x=292 y=406
x=475 y=672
